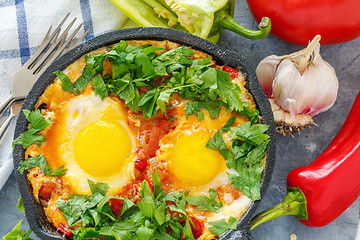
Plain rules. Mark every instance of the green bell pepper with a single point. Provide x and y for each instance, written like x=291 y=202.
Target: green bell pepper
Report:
x=203 y=18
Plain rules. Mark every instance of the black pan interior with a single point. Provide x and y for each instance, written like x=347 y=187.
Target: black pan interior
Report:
x=34 y=211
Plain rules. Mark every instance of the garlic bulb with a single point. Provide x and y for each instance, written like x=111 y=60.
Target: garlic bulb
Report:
x=300 y=85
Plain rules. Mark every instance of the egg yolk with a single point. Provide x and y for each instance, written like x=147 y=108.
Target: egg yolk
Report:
x=102 y=147
x=192 y=163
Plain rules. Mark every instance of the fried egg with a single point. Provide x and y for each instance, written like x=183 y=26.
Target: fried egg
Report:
x=192 y=166
x=94 y=142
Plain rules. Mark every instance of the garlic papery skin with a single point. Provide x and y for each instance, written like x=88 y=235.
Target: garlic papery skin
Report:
x=300 y=84
x=267 y=73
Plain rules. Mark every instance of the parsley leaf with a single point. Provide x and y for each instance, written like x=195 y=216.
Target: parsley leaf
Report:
x=37 y=124
x=228 y=91
x=247 y=180
x=122 y=230
x=98 y=187
x=187 y=230
x=195 y=108
x=88 y=72
x=174 y=59
x=252 y=134
x=18 y=234
x=40 y=161
x=146 y=206
x=216 y=142
x=206 y=203
x=28 y=138
x=99 y=86
x=245 y=155
x=73 y=208
x=20 y=205
x=36 y=119
x=144 y=233
x=220 y=226
x=66 y=84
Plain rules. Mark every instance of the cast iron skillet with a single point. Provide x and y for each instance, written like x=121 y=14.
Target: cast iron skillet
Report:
x=34 y=211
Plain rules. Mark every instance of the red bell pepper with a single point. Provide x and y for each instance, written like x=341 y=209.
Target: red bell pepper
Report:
x=297 y=22
x=320 y=192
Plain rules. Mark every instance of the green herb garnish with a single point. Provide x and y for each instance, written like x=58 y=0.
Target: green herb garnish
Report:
x=134 y=67
x=219 y=227
x=206 y=203
x=37 y=124
x=18 y=233
x=245 y=155
x=20 y=205
x=146 y=219
x=40 y=161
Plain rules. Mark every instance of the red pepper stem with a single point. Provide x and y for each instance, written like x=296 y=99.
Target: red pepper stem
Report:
x=224 y=20
x=294 y=203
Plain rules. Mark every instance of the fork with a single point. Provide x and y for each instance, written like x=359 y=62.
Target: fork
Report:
x=50 y=49
x=14 y=111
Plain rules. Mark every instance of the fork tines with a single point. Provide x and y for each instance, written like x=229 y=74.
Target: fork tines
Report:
x=53 y=45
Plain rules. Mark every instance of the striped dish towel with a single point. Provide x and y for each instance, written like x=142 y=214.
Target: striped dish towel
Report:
x=23 y=25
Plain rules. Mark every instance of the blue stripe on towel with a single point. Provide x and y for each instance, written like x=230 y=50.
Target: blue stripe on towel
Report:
x=15 y=53
x=6 y=3
x=6 y=54
x=87 y=19
x=22 y=31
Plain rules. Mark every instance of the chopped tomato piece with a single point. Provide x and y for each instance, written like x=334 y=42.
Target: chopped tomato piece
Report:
x=140 y=163
x=214 y=65
x=45 y=191
x=62 y=228
x=116 y=206
x=151 y=131
x=197 y=227
x=233 y=72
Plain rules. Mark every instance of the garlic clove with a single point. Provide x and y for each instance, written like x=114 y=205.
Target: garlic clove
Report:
x=292 y=107
x=300 y=85
x=265 y=72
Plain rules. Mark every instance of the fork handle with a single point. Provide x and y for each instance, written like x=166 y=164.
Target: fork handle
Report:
x=4 y=127
x=6 y=104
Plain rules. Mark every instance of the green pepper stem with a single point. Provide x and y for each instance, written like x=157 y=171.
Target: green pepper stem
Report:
x=294 y=203
x=224 y=20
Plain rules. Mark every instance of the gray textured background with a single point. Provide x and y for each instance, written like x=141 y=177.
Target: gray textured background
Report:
x=291 y=152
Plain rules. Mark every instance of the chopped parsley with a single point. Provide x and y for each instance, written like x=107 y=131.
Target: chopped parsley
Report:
x=221 y=226
x=18 y=233
x=149 y=218
x=134 y=67
x=40 y=161
x=20 y=205
x=37 y=123
x=206 y=203
x=245 y=154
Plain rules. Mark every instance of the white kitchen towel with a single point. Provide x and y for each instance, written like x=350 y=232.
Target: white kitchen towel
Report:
x=23 y=25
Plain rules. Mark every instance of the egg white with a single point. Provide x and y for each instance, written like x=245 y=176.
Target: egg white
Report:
x=80 y=112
